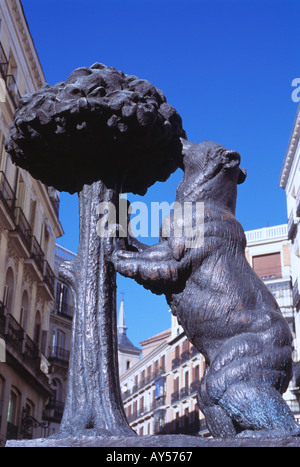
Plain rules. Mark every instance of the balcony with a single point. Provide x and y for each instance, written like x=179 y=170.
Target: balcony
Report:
x=11 y=85
x=185 y=391
x=292 y=227
x=175 y=362
x=47 y=285
x=21 y=235
x=296 y=294
x=10 y=80
x=3 y=63
x=54 y=411
x=19 y=343
x=11 y=431
x=35 y=263
x=7 y=203
x=53 y=195
x=298 y=203
x=185 y=356
x=58 y=355
x=64 y=310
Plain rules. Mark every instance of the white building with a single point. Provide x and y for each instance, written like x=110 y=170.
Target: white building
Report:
x=290 y=182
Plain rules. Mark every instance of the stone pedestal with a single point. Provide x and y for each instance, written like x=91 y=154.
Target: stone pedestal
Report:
x=183 y=442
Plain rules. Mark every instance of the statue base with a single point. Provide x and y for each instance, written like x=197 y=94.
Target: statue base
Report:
x=155 y=441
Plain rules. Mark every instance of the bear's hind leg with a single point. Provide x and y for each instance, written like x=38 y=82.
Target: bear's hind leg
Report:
x=259 y=407
x=219 y=423
x=217 y=420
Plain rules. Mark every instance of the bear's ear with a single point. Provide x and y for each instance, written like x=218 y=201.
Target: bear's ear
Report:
x=231 y=159
x=242 y=176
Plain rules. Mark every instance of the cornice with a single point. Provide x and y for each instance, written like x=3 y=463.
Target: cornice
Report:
x=27 y=42
x=289 y=157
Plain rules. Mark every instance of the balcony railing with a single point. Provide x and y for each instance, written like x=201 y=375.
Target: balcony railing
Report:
x=9 y=79
x=184 y=392
x=7 y=195
x=296 y=294
x=298 y=203
x=23 y=227
x=58 y=354
x=37 y=254
x=54 y=411
x=11 y=431
x=49 y=276
x=13 y=89
x=3 y=63
x=31 y=351
x=14 y=333
x=291 y=226
x=65 y=310
x=16 y=337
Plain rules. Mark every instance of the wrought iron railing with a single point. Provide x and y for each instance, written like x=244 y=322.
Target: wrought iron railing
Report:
x=54 y=411
x=16 y=337
x=65 y=310
x=31 y=350
x=49 y=276
x=23 y=227
x=296 y=294
x=13 y=89
x=58 y=354
x=3 y=63
x=37 y=254
x=7 y=195
x=10 y=80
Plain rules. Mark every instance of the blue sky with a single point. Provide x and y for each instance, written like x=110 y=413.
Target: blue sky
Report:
x=225 y=65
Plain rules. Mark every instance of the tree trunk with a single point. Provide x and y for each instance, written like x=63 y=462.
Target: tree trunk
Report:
x=93 y=403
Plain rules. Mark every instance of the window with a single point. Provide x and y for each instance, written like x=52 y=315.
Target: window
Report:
x=2 y=382
x=12 y=407
x=8 y=293
x=12 y=415
x=21 y=194
x=58 y=339
x=196 y=373
x=24 y=310
x=267 y=266
x=27 y=425
x=3 y=156
x=37 y=328
x=186 y=420
x=32 y=213
x=45 y=238
x=62 y=296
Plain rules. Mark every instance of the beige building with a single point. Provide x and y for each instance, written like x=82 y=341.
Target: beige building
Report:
x=59 y=342
x=159 y=392
x=29 y=226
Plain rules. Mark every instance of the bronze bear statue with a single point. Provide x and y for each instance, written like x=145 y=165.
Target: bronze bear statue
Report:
x=225 y=309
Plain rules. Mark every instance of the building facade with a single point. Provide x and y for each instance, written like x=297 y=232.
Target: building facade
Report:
x=160 y=392
x=59 y=343
x=290 y=182
x=29 y=227
x=268 y=252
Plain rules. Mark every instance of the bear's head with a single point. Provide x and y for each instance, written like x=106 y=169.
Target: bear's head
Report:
x=211 y=172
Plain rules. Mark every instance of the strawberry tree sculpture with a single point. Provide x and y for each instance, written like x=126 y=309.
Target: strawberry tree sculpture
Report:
x=100 y=133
